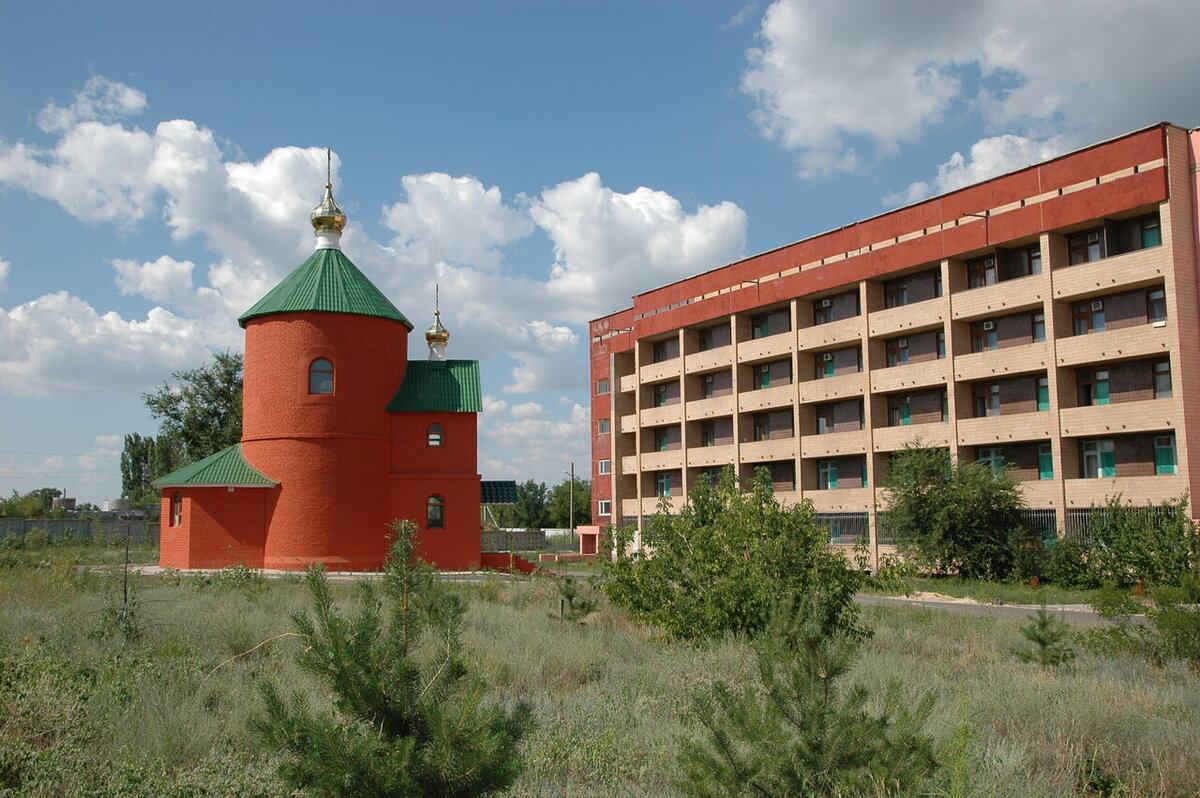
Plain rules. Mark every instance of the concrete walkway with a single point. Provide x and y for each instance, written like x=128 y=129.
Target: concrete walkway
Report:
x=1078 y=614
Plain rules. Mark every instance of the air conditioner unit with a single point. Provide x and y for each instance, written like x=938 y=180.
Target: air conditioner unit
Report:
x=1093 y=237
x=764 y=368
x=989 y=261
x=1097 y=304
x=902 y=343
x=826 y=303
x=828 y=356
x=989 y=326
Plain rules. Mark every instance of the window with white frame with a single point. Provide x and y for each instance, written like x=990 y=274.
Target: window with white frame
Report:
x=604 y=467
x=604 y=507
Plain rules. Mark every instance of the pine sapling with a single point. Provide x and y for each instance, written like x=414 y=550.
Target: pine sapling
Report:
x=1049 y=640
x=407 y=718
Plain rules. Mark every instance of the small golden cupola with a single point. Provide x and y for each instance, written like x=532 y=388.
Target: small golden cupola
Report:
x=437 y=336
x=328 y=219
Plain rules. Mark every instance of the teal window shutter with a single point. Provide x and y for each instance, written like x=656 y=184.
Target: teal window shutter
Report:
x=1043 y=397
x=905 y=415
x=1045 y=463
x=1164 y=455
x=1101 y=392
x=1108 y=464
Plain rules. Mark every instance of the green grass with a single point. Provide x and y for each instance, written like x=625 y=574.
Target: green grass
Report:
x=84 y=713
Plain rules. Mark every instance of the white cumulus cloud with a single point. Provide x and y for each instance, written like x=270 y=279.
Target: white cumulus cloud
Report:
x=840 y=84
x=100 y=98
x=989 y=157
x=609 y=246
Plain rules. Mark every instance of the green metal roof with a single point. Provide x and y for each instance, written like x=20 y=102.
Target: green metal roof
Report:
x=330 y=283
x=226 y=468
x=450 y=386
x=497 y=491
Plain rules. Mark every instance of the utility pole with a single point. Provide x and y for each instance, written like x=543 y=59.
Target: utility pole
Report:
x=572 y=501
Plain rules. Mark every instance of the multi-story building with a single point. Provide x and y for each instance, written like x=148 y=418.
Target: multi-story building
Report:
x=1046 y=320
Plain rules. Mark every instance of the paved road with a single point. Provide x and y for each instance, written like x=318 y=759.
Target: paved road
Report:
x=1078 y=614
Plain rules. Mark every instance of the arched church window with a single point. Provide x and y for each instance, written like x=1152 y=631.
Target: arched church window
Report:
x=320 y=376
x=177 y=509
x=436 y=435
x=435 y=513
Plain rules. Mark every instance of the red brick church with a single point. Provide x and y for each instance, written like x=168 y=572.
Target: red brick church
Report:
x=341 y=434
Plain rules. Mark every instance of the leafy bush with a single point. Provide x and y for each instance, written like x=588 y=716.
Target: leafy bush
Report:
x=722 y=562
x=1156 y=546
x=404 y=724
x=1067 y=565
x=797 y=733
x=957 y=518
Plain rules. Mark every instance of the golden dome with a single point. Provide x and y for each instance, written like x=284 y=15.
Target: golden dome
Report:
x=437 y=334
x=327 y=215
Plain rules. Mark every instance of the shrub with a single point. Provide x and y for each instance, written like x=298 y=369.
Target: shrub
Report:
x=1157 y=546
x=721 y=563
x=405 y=724
x=957 y=518
x=1067 y=565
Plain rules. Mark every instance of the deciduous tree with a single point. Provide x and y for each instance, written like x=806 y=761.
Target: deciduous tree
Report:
x=725 y=558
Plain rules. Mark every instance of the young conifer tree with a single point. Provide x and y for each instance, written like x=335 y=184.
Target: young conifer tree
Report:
x=407 y=718
x=797 y=732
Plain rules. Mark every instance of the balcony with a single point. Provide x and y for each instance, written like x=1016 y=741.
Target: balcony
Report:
x=705 y=456
x=657 y=416
x=630 y=508
x=822 y=336
x=926 y=315
x=836 y=444
x=765 y=451
x=1003 y=362
x=712 y=359
x=841 y=500
x=788 y=498
x=1136 y=490
x=629 y=423
x=829 y=389
x=1001 y=429
x=1040 y=493
x=629 y=383
x=711 y=408
x=1147 y=415
x=759 y=348
x=1131 y=270
x=892 y=439
x=928 y=374
x=766 y=398
x=662 y=461
x=629 y=464
x=656 y=372
x=651 y=504
x=1122 y=344
x=1002 y=298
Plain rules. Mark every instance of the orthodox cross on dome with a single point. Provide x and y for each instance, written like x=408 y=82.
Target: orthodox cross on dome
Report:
x=328 y=219
x=437 y=336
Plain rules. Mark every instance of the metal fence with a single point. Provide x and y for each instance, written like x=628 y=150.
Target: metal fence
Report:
x=64 y=530
x=845 y=529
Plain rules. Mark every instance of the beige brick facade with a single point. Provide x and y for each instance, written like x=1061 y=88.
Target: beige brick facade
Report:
x=1047 y=319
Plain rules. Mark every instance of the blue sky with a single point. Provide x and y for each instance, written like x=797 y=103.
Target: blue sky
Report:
x=542 y=161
